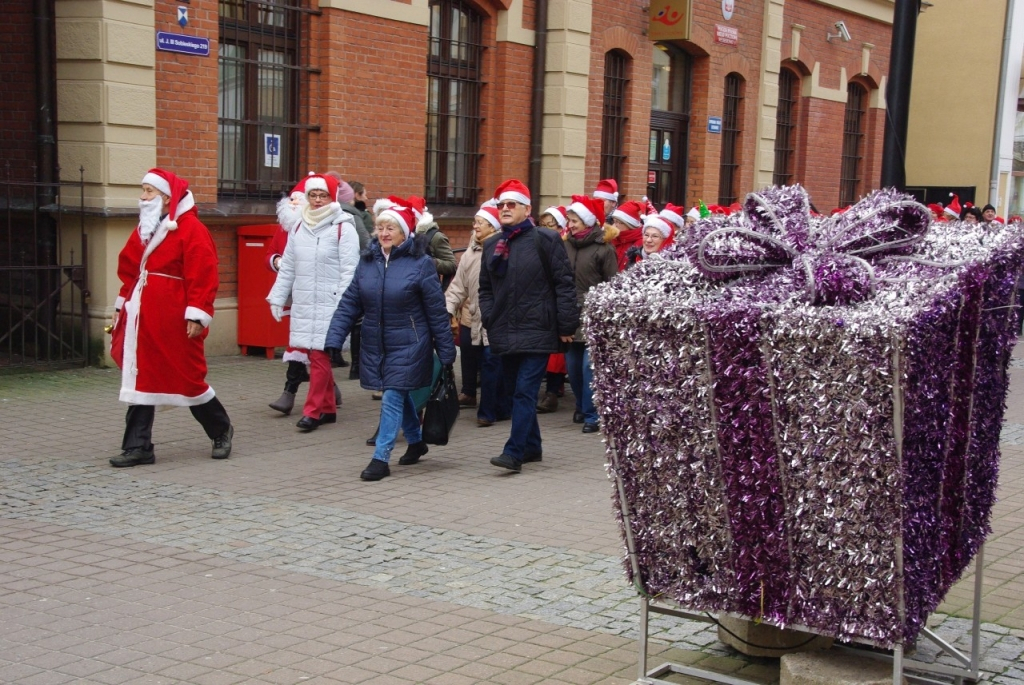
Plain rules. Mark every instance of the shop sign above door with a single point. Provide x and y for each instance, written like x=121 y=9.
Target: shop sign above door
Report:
x=670 y=20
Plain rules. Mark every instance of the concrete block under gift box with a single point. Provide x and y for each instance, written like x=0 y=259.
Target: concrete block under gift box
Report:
x=804 y=413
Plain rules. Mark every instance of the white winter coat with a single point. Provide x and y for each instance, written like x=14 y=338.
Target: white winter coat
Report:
x=316 y=268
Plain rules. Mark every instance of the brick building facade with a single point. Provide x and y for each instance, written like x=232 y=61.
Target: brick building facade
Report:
x=434 y=98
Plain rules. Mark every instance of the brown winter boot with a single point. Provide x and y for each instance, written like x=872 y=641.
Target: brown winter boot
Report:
x=548 y=404
x=284 y=403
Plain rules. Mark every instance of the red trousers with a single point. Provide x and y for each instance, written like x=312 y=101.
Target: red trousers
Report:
x=320 y=397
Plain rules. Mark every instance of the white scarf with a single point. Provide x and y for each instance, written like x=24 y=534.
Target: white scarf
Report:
x=314 y=217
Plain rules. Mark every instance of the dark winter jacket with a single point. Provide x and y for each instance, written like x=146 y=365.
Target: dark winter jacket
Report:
x=404 y=318
x=593 y=261
x=363 y=222
x=526 y=310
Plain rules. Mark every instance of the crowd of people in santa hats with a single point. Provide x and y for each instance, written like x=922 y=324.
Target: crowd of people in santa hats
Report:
x=512 y=304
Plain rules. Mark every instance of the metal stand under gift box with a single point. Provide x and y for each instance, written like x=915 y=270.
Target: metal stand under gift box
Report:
x=968 y=671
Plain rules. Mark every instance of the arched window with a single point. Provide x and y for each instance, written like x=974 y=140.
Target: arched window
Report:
x=613 y=121
x=785 y=127
x=728 y=175
x=853 y=143
x=454 y=81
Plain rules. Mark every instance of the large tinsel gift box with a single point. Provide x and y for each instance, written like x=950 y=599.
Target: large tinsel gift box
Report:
x=804 y=413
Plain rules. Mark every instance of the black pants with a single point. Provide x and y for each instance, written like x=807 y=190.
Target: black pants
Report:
x=472 y=358
x=138 y=423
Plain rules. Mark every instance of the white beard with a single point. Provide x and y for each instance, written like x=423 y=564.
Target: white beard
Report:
x=289 y=213
x=149 y=217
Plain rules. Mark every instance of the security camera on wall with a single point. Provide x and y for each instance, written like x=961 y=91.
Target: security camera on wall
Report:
x=843 y=32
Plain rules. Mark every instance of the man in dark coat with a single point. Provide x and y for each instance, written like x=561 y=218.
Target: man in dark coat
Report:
x=528 y=307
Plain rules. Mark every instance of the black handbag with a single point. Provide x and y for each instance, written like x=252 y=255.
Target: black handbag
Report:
x=442 y=409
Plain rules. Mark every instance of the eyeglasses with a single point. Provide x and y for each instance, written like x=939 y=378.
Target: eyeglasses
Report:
x=317 y=195
x=508 y=204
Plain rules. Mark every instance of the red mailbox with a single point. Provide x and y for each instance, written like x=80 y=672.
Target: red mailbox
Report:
x=256 y=327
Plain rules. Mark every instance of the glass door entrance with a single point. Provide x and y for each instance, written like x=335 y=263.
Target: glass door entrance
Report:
x=670 y=122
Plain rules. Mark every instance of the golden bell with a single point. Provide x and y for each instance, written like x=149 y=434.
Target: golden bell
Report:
x=108 y=328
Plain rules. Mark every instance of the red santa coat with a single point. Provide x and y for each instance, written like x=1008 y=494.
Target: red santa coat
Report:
x=165 y=282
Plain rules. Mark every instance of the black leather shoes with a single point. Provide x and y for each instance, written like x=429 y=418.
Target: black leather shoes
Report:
x=133 y=457
x=328 y=418
x=528 y=458
x=413 y=453
x=307 y=424
x=590 y=428
x=507 y=461
x=376 y=470
x=577 y=417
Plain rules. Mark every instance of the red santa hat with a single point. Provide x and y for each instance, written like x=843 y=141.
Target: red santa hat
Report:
x=629 y=213
x=405 y=217
x=381 y=204
x=173 y=187
x=419 y=208
x=694 y=212
x=674 y=215
x=328 y=184
x=935 y=208
x=607 y=189
x=659 y=223
x=513 y=189
x=558 y=214
x=589 y=209
x=953 y=208
x=489 y=212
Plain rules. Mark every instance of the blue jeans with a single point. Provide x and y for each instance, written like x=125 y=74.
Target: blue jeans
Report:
x=495 y=400
x=396 y=409
x=524 y=372
x=581 y=378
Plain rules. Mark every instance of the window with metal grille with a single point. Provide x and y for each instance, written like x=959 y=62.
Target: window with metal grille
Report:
x=613 y=122
x=785 y=128
x=454 y=81
x=261 y=77
x=853 y=144
x=728 y=174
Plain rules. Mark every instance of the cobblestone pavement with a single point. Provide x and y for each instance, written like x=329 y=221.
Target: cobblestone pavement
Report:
x=280 y=566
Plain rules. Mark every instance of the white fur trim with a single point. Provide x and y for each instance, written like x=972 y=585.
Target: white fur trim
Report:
x=490 y=219
x=950 y=212
x=614 y=197
x=187 y=202
x=315 y=183
x=391 y=214
x=694 y=213
x=133 y=396
x=556 y=215
x=119 y=302
x=658 y=223
x=625 y=218
x=295 y=356
x=672 y=217
x=512 y=195
x=197 y=314
x=583 y=212
x=158 y=182
x=172 y=225
x=424 y=219
x=490 y=203
x=382 y=204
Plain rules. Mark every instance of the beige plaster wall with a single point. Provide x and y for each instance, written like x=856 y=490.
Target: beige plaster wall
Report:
x=954 y=93
x=566 y=100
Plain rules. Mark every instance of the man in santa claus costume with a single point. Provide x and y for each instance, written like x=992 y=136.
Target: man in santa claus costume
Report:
x=168 y=272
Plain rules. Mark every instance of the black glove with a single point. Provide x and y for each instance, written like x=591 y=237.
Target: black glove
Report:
x=449 y=368
x=332 y=352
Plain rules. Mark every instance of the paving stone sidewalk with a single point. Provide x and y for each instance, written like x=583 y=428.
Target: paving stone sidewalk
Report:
x=279 y=565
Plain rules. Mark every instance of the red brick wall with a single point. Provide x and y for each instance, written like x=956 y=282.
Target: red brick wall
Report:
x=186 y=100
x=819 y=132
x=620 y=25
x=17 y=92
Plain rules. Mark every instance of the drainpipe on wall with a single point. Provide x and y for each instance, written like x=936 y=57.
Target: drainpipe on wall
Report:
x=46 y=142
x=540 y=52
x=897 y=96
x=993 y=190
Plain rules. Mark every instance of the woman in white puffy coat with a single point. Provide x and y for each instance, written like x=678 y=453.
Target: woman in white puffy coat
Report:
x=315 y=269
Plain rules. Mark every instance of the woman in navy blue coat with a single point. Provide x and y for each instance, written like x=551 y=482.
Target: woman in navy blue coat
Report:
x=397 y=292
